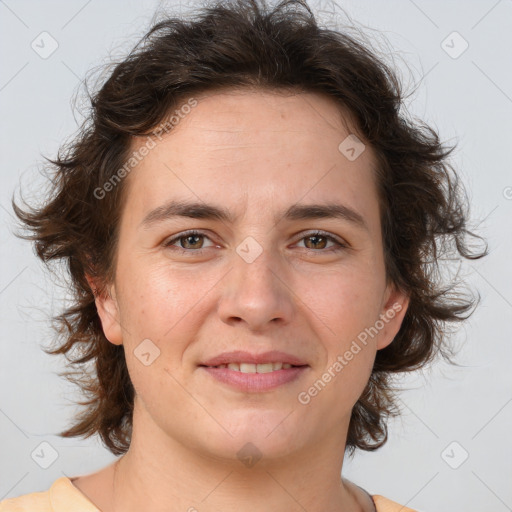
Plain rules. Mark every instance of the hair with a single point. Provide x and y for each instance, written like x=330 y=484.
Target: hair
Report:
x=241 y=44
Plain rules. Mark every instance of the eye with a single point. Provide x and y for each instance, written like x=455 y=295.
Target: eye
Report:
x=191 y=238
x=190 y=241
x=318 y=239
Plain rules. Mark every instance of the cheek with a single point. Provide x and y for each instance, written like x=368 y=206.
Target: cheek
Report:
x=153 y=312
x=161 y=311
x=348 y=307
x=157 y=300
x=347 y=301
x=337 y=386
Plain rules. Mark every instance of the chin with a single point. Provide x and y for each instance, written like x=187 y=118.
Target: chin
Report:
x=256 y=436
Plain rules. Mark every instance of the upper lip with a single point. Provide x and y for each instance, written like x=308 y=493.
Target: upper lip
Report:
x=241 y=356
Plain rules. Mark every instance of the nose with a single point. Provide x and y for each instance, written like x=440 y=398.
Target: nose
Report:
x=255 y=293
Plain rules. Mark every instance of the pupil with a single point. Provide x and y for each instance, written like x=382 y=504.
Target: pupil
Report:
x=315 y=237
x=190 y=237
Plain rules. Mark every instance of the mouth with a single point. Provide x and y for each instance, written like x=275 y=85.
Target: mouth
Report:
x=254 y=372
x=245 y=359
x=256 y=368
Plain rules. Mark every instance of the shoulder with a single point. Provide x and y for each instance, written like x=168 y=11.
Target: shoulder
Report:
x=380 y=503
x=60 y=497
x=383 y=504
x=33 y=502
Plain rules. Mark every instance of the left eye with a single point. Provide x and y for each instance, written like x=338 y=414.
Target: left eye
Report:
x=193 y=239
x=327 y=238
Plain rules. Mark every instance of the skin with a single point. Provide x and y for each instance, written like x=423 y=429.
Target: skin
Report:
x=255 y=153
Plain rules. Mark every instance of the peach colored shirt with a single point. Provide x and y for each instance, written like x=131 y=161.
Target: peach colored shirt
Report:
x=63 y=496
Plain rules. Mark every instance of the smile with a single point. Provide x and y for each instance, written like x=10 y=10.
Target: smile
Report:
x=255 y=378
x=254 y=368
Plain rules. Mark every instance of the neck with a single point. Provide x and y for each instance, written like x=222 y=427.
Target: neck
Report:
x=159 y=474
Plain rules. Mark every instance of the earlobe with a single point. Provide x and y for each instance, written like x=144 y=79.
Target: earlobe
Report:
x=108 y=311
x=392 y=316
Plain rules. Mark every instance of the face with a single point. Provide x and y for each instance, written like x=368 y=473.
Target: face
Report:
x=262 y=279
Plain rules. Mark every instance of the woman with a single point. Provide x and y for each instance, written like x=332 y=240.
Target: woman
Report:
x=251 y=227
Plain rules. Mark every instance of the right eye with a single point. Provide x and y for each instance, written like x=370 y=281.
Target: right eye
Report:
x=192 y=237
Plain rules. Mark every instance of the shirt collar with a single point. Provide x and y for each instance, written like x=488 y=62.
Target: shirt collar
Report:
x=64 y=496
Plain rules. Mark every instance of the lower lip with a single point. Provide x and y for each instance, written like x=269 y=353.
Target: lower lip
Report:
x=255 y=382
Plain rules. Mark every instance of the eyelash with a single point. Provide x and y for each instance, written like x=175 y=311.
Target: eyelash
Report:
x=169 y=243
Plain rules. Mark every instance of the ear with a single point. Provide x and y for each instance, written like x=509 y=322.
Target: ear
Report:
x=392 y=314
x=108 y=311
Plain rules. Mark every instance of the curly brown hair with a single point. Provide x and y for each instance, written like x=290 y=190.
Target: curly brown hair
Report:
x=243 y=43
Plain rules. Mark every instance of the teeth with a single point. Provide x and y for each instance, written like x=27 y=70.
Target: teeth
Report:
x=264 y=368
x=255 y=368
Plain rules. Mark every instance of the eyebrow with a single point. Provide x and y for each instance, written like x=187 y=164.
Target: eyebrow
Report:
x=199 y=210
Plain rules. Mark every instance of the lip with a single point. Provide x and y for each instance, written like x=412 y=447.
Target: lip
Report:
x=241 y=356
x=255 y=382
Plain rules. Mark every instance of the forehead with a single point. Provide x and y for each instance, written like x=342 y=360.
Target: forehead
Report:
x=260 y=145
x=264 y=110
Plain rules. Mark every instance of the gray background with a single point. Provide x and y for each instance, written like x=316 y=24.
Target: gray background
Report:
x=467 y=98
